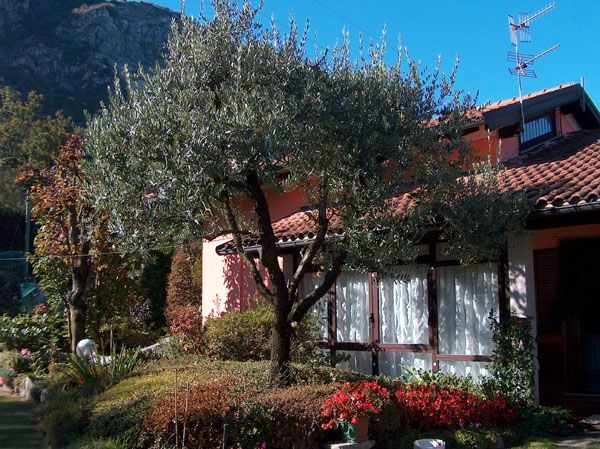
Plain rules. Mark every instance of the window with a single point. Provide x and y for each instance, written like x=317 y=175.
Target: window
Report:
x=352 y=295
x=403 y=310
x=466 y=295
x=310 y=282
x=537 y=130
x=434 y=315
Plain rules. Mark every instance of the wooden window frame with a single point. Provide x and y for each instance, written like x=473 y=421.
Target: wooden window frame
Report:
x=374 y=345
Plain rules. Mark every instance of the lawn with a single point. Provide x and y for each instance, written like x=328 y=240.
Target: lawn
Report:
x=17 y=428
x=547 y=443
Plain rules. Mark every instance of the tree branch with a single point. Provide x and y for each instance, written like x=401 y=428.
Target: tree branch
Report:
x=268 y=256
x=306 y=304
x=315 y=246
x=239 y=247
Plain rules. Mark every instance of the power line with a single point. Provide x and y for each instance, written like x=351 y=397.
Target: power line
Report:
x=281 y=24
x=333 y=11
x=73 y=256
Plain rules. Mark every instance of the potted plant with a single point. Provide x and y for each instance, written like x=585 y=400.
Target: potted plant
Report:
x=351 y=407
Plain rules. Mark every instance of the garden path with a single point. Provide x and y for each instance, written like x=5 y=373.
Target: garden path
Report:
x=18 y=429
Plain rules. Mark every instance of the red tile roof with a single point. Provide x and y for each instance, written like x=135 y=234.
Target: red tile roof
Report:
x=565 y=172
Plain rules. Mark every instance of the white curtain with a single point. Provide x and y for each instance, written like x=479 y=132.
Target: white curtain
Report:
x=403 y=312
x=309 y=284
x=360 y=361
x=392 y=363
x=466 y=294
x=352 y=301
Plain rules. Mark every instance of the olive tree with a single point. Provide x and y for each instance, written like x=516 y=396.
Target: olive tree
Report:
x=187 y=150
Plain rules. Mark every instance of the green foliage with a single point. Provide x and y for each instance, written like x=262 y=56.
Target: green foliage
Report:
x=19 y=364
x=184 y=296
x=176 y=152
x=284 y=418
x=65 y=415
x=512 y=365
x=95 y=374
x=154 y=287
x=240 y=335
x=52 y=276
x=441 y=379
x=534 y=421
x=44 y=334
x=26 y=137
x=92 y=443
x=119 y=411
x=246 y=335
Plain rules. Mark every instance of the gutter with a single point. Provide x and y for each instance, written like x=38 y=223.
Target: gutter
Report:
x=257 y=249
x=570 y=215
x=570 y=209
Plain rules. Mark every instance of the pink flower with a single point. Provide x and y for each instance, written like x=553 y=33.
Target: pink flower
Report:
x=25 y=352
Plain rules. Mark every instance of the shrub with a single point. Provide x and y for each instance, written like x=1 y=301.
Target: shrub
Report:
x=207 y=408
x=184 y=296
x=513 y=366
x=246 y=335
x=442 y=379
x=240 y=336
x=90 y=373
x=185 y=323
x=533 y=421
x=43 y=334
x=91 y=443
x=184 y=283
x=430 y=406
x=287 y=418
x=65 y=415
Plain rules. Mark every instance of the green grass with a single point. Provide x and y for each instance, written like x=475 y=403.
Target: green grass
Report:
x=547 y=443
x=18 y=429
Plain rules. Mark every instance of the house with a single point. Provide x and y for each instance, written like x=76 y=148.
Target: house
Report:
x=436 y=315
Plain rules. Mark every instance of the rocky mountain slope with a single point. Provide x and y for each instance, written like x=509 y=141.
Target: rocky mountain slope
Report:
x=67 y=49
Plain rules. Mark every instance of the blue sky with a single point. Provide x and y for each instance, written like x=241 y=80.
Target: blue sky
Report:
x=477 y=31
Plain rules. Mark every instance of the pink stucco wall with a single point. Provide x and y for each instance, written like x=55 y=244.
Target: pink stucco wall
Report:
x=226 y=282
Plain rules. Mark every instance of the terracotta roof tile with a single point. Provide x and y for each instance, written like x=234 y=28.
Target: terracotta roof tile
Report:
x=565 y=172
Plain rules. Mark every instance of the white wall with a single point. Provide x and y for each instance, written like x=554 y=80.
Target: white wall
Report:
x=521 y=280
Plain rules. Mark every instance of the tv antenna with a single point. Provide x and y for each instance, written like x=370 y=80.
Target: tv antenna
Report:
x=520 y=33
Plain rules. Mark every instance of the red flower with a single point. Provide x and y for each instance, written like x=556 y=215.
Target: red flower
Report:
x=352 y=401
x=430 y=406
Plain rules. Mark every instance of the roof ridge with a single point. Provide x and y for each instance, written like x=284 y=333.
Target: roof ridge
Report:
x=511 y=100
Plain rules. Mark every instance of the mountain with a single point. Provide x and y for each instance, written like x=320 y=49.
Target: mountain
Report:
x=67 y=50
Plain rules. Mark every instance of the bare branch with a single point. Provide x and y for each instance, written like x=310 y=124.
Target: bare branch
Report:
x=316 y=245
x=239 y=247
x=306 y=304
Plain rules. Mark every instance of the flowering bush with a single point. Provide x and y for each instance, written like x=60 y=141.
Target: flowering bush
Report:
x=431 y=406
x=352 y=401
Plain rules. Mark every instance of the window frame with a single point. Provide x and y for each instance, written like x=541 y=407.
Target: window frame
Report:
x=374 y=345
x=524 y=145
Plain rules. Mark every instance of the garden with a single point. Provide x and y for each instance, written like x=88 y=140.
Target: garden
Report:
x=219 y=394
x=172 y=160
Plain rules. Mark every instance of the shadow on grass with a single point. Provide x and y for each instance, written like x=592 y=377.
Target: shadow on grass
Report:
x=18 y=428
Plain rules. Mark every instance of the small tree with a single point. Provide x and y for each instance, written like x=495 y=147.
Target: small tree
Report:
x=26 y=137
x=70 y=230
x=374 y=147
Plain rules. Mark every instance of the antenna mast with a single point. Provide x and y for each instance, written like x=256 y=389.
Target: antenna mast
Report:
x=520 y=33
